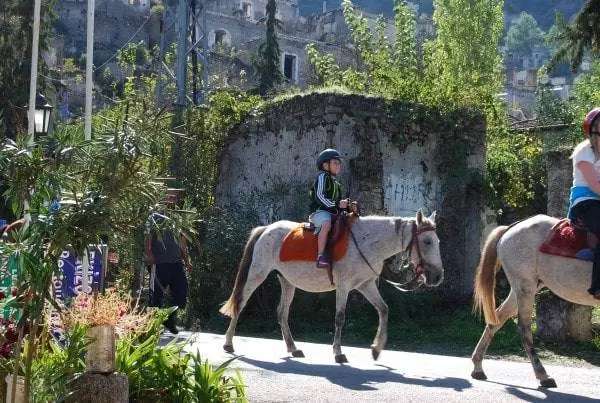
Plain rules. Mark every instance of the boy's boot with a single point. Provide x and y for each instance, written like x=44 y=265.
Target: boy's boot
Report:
x=323 y=261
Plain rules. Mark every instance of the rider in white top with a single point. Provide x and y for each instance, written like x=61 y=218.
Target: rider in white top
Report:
x=585 y=193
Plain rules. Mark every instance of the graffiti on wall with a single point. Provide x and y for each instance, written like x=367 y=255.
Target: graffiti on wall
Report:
x=405 y=195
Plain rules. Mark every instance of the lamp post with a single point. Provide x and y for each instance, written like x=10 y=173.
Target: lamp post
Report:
x=43 y=112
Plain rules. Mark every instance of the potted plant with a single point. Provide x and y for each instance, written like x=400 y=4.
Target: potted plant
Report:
x=107 y=317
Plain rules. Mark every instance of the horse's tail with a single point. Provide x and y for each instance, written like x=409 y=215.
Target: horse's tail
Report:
x=485 y=282
x=232 y=306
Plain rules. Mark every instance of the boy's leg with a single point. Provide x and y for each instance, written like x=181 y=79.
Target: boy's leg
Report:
x=322 y=238
x=322 y=222
x=323 y=260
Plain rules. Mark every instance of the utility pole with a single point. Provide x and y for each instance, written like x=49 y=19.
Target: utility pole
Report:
x=194 y=57
x=35 y=46
x=182 y=53
x=189 y=20
x=89 y=69
x=161 y=54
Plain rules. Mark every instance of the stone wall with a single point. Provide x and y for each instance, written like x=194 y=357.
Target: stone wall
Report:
x=560 y=176
x=398 y=158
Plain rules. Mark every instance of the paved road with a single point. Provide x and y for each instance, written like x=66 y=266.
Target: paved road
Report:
x=274 y=376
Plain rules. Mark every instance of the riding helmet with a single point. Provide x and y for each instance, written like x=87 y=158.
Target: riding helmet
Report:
x=589 y=120
x=328 y=154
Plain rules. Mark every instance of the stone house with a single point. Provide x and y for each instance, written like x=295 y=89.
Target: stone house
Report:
x=395 y=164
x=234 y=34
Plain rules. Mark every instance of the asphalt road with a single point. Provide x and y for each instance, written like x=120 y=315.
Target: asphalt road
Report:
x=272 y=375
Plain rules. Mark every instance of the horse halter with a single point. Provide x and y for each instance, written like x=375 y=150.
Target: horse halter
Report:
x=418 y=268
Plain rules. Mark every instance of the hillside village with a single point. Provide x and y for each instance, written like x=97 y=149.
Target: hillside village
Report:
x=234 y=36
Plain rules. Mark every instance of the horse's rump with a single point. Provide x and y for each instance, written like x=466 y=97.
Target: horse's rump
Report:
x=300 y=243
x=565 y=240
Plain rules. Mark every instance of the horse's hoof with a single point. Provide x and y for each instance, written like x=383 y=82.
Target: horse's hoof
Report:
x=375 y=353
x=341 y=358
x=228 y=348
x=548 y=383
x=478 y=375
x=298 y=354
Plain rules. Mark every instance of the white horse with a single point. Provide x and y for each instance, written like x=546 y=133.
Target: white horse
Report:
x=374 y=238
x=516 y=249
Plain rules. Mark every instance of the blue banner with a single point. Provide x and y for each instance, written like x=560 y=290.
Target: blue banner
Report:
x=68 y=283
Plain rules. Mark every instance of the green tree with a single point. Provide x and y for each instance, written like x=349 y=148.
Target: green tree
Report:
x=385 y=67
x=574 y=39
x=269 y=53
x=524 y=34
x=463 y=65
x=16 y=21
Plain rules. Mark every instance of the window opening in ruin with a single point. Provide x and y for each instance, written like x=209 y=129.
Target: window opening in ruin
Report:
x=290 y=67
x=220 y=37
x=247 y=9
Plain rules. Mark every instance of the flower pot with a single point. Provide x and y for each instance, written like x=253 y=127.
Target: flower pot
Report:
x=100 y=357
x=20 y=391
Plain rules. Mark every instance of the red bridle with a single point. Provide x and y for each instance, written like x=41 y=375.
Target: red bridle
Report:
x=418 y=268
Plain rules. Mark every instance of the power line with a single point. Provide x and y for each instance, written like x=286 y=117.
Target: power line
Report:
x=126 y=43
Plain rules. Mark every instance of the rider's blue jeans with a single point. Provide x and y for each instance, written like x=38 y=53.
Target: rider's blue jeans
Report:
x=589 y=212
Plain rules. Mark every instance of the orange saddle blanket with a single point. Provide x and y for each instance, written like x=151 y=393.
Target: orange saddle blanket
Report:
x=565 y=240
x=301 y=244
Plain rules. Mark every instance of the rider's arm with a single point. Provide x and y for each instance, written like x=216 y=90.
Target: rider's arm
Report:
x=321 y=195
x=590 y=175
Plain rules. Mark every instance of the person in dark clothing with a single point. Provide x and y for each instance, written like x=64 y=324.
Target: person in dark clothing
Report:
x=168 y=253
x=584 y=201
x=326 y=201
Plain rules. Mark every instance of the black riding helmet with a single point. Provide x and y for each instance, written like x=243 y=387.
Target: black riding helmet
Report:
x=326 y=155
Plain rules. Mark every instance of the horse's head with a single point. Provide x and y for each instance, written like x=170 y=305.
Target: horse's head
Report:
x=425 y=253
x=422 y=245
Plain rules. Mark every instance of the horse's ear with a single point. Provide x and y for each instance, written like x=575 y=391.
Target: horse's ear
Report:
x=419 y=217
x=433 y=217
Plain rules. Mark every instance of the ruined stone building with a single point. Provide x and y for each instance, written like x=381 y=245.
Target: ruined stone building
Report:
x=234 y=35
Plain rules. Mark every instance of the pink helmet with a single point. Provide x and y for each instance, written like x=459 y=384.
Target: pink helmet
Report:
x=589 y=121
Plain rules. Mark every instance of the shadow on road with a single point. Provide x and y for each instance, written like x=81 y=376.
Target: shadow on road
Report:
x=551 y=395
x=355 y=378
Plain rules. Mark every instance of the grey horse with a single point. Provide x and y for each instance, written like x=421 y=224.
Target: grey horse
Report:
x=516 y=249
x=376 y=238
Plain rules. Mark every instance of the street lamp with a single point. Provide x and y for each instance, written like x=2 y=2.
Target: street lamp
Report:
x=43 y=111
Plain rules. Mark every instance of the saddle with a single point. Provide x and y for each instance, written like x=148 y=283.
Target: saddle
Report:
x=300 y=243
x=570 y=239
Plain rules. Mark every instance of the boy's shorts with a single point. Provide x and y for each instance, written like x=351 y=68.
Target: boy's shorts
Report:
x=318 y=218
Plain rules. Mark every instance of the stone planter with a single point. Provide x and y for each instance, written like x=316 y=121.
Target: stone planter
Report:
x=20 y=391
x=100 y=357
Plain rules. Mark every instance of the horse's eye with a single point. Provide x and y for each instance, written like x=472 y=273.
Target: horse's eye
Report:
x=427 y=241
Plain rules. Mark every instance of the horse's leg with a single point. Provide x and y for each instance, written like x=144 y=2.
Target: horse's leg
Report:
x=525 y=299
x=283 y=312
x=252 y=283
x=341 y=298
x=507 y=310
x=371 y=293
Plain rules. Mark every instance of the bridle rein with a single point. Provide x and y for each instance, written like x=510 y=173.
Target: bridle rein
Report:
x=418 y=268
